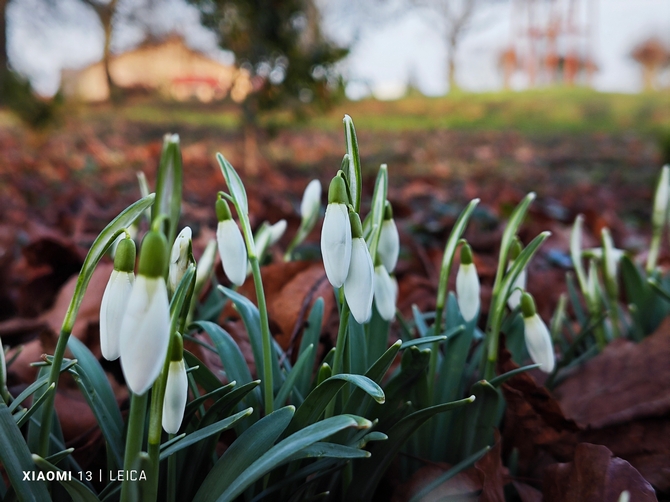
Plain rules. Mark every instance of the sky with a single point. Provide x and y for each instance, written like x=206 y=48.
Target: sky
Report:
x=385 y=57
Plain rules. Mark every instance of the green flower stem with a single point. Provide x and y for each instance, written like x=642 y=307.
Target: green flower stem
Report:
x=338 y=359
x=172 y=476
x=138 y=408
x=340 y=345
x=265 y=332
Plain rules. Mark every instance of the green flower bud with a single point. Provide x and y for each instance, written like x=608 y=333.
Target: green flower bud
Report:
x=124 y=258
x=528 y=305
x=222 y=210
x=466 y=254
x=356 y=227
x=337 y=191
x=153 y=255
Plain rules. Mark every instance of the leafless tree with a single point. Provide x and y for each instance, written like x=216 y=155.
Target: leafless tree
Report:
x=451 y=19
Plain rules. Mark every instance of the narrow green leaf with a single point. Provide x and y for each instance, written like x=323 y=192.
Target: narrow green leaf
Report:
x=501 y=379
x=359 y=399
x=475 y=428
x=333 y=450
x=510 y=231
x=310 y=336
x=317 y=400
x=93 y=384
x=419 y=321
x=231 y=356
x=100 y=245
x=249 y=446
x=377 y=208
x=29 y=391
x=424 y=341
x=234 y=183
x=282 y=451
x=203 y=374
x=252 y=322
x=192 y=406
x=301 y=367
x=204 y=433
x=354 y=176
x=16 y=459
x=57 y=457
x=357 y=347
x=169 y=185
x=369 y=472
x=26 y=414
x=226 y=403
x=77 y=490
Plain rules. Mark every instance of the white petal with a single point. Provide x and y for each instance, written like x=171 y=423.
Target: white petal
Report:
x=176 y=394
x=112 y=310
x=311 y=200
x=467 y=291
x=336 y=243
x=538 y=343
x=179 y=258
x=385 y=293
x=359 y=285
x=517 y=287
x=276 y=231
x=233 y=251
x=389 y=245
x=145 y=333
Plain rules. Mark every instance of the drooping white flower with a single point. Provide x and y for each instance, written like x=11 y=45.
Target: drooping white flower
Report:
x=467 y=285
x=176 y=389
x=384 y=293
x=310 y=204
x=115 y=299
x=389 y=240
x=336 y=242
x=538 y=339
x=145 y=329
x=179 y=257
x=232 y=249
x=359 y=284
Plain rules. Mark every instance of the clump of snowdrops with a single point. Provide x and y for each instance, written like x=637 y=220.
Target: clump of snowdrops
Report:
x=310 y=428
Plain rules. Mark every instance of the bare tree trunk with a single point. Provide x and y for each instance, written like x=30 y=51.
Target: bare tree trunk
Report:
x=105 y=13
x=451 y=62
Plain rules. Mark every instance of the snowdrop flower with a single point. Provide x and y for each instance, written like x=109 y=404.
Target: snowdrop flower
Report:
x=467 y=285
x=115 y=299
x=145 y=329
x=179 y=258
x=359 y=284
x=336 y=244
x=310 y=205
x=519 y=284
x=176 y=388
x=389 y=241
x=232 y=250
x=538 y=339
x=384 y=293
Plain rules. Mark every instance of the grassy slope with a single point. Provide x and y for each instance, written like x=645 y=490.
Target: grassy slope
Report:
x=555 y=110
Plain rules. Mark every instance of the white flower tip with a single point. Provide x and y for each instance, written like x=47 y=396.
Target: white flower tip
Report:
x=336 y=243
x=145 y=333
x=359 y=285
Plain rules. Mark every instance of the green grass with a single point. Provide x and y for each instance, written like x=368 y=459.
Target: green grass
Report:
x=544 y=111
